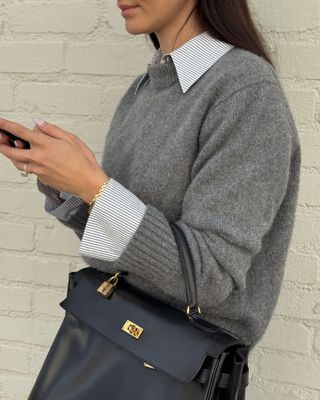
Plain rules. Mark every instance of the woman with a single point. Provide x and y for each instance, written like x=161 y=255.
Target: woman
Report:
x=205 y=138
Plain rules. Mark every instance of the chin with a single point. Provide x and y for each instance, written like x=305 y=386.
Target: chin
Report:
x=135 y=28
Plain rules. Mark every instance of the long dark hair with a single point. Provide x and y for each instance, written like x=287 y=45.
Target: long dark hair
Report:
x=229 y=21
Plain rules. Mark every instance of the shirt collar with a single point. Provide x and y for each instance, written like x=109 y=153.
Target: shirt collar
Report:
x=192 y=59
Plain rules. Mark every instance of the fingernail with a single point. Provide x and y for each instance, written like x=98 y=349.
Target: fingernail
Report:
x=38 y=121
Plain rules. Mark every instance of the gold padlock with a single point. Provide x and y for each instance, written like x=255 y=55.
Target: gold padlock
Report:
x=108 y=287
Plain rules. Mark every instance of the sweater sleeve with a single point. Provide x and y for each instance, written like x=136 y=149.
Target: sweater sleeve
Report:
x=238 y=182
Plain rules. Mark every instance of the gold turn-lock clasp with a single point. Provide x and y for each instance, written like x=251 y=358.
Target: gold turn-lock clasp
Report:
x=132 y=329
x=107 y=287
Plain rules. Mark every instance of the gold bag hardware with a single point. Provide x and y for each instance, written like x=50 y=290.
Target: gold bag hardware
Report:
x=148 y=365
x=132 y=329
x=107 y=287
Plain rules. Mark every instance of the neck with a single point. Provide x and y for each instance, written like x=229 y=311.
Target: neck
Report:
x=170 y=38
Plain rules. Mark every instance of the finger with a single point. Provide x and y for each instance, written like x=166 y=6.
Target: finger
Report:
x=49 y=129
x=20 y=166
x=4 y=138
x=16 y=154
x=16 y=164
x=19 y=144
x=37 y=130
x=20 y=131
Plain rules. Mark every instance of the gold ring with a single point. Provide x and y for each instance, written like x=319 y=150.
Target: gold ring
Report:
x=25 y=169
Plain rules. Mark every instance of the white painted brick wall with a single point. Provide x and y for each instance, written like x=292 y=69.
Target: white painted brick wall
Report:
x=29 y=56
x=70 y=62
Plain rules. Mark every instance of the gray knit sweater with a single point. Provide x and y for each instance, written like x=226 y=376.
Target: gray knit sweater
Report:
x=223 y=161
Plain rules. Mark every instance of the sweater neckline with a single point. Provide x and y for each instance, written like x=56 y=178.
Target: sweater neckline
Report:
x=162 y=74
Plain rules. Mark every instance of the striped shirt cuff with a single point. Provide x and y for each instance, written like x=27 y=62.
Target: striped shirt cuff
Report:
x=114 y=218
x=52 y=194
x=61 y=205
x=65 y=195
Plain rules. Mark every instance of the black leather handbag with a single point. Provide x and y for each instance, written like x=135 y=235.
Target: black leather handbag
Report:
x=117 y=342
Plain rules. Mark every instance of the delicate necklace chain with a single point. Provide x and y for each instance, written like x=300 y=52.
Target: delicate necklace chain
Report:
x=182 y=27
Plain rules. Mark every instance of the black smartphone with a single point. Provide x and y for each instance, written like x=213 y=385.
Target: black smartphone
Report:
x=13 y=138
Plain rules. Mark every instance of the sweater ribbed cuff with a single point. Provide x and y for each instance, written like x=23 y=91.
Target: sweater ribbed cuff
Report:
x=152 y=250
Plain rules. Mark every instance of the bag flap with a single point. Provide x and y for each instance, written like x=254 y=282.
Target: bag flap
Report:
x=168 y=341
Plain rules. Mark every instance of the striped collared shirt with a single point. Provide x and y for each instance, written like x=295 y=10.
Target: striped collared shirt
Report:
x=192 y=59
x=117 y=213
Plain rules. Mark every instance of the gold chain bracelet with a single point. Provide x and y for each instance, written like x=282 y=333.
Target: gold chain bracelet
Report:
x=91 y=204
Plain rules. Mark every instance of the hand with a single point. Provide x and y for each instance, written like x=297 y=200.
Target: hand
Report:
x=4 y=139
x=59 y=158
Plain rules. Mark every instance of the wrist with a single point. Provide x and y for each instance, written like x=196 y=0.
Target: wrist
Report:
x=93 y=186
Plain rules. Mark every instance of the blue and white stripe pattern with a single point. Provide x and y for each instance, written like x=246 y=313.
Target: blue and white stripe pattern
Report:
x=113 y=220
x=192 y=59
x=117 y=213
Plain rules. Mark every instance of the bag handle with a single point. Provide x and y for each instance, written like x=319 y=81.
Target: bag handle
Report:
x=187 y=268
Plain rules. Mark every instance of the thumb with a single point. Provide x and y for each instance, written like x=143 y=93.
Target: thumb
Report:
x=48 y=129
